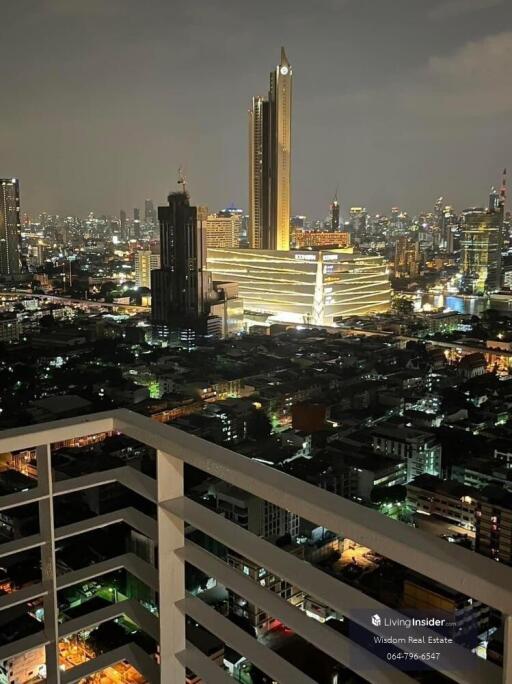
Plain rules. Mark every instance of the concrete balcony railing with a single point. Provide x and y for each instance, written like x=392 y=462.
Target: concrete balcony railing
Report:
x=459 y=569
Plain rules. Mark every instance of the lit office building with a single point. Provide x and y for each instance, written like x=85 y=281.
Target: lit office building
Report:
x=145 y=262
x=270 y=162
x=481 y=250
x=335 y=213
x=305 y=287
x=10 y=226
x=320 y=238
x=358 y=221
x=482 y=244
x=407 y=258
x=223 y=230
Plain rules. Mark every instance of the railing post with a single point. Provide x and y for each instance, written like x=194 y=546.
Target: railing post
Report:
x=507 y=649
x=171 y=570
x=47 y=530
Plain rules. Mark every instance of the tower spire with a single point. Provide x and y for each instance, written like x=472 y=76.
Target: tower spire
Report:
x=503 y=190
x=284 y=58
x=182 y=180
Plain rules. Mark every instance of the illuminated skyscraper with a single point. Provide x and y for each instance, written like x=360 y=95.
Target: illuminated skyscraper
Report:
x=407 y=258
x=223 y=230
x=482 y=244
x=480 y=239
x=335 y=213
x=270 y=162
x=358 y=218
x=10 y=226
x=145 y=262
x=259 y=187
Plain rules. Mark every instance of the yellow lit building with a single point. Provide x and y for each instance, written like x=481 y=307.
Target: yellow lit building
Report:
x=305 y=286
x=145 y=262
x=407 y=258
x=320 y=238
x=223 y=230
x=270 y=140
x=481 y=242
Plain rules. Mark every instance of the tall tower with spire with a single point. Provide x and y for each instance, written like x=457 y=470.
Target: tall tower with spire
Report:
x=335 y=213
x=270 y=162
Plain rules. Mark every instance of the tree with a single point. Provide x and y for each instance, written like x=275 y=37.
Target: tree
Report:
x=403 y=306
x=258 y=424
x=47 y=321
x=391 y=494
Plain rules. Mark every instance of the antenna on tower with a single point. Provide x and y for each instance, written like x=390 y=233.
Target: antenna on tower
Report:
x=182 y=180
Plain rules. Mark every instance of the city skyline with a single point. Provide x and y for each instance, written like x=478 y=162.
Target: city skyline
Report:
x=356 y=104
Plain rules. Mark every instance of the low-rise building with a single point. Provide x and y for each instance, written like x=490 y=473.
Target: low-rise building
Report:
x=419 y=449
x=446 y=499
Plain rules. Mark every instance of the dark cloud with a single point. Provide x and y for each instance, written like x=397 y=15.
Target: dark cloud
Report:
x=106 y=98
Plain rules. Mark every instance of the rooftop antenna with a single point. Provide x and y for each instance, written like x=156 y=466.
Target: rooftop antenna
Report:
x=182 y=180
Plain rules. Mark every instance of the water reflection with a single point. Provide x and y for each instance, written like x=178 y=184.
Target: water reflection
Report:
x=464 y=304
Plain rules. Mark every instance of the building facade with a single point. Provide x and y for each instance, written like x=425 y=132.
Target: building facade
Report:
x=420 y=450
x=270 y=162
x=407 y=258
x=305 y=287
x=145 y=262
x=180 y=287
x=481 y=244
x=320 y=238
x=10 y=227
x=223 y=230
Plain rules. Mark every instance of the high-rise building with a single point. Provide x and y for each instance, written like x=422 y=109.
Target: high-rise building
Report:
x=10 y=227
x=270 y=162
x=482 y=244
x=145 y=262
x=480 y=250
x=259 y=187
x=180 y=287
x=223 y=230
x=450 y=237
x=123 y=225
x=136 y=223
x=407 y=258
x=149 y=212
x=335 y=213
x=358 y=218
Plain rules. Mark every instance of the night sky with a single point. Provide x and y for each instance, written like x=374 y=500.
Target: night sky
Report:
x=395 y=101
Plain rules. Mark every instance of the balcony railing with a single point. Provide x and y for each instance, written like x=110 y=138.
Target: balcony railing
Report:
x=459 y=569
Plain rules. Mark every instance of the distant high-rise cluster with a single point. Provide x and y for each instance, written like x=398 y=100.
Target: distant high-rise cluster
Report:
x=10 y=227
x=270 y=162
